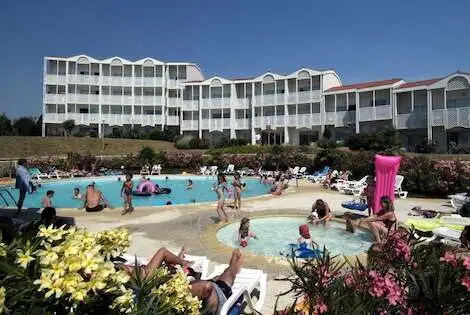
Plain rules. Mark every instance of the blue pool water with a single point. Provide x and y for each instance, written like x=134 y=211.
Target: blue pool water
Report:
x=111 y=188
x=275 y=233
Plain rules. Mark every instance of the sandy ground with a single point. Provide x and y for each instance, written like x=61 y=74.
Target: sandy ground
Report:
x=193 y=226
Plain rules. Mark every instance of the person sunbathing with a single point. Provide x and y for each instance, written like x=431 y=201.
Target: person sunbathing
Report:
x=215 y=292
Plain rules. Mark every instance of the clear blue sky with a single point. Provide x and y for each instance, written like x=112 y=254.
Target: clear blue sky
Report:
x=362 y=39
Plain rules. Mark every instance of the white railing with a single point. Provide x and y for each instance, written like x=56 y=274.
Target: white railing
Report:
x=190 y=104
x=258 y=100
x=94 y=80
x=330 y=118
x=316 y=119
x=269 y=121
x=146 y=100
x=458 y=117
x=345 y=118
x=55 y=98
x=268 y=99
x=54 y=118
x=242 y=124
x=280 y=121
x=127 y=81
x=257 y=122
x=173 y=102
x=412 y=120
x=144 y=120
x=117 y=81
x=173 y=84
x=216 y=123
x=242 y=103
x=55 y=79
x=305 y=97
x=316 y=96
x=438 y=117
x=190 y=125
x=79 y=98
x=304 y=120
x=226 y=102
x=105 y=80
x=383 y=112
x=116 y=119
x=280 y=99
x=173 y=120
x=94 y=99
x=292 y=98
x=292 y=120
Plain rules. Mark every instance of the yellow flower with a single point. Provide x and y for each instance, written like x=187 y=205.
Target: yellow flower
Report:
x=124 y=302
x=56 y=288
x=2 y=299
x=120 y=277
x=3 y=250
x=48 y=255
x=24 y=257
x=79 y=295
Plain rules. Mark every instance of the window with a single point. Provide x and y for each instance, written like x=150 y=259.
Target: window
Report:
x=61 y=108
x=304 y=109
x=280 y=110
x=70 y=108
x=316 y=108
x=83 y=110
x=257 y=111
x=138 y=110
x=226 y=113
x=127 y=110
x=50 y=108
x=291 y=110
x=205 y=114
x=269 y=111
x=105 y=109
x=94 y=109
x=158 y=110
x=187 y=115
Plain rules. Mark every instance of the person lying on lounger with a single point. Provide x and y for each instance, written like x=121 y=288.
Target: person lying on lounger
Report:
x=214 y=292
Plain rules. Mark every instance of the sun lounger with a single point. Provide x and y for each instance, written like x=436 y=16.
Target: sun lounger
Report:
x=398 y=190
x=37 y=174
x=246 y=283
x=320 y=175
x=302 y=171
x=213 y=170
x=230 y=169
x=355 y=187
x=202 y=170
x=458 y=200
x=454 y=219
x=156 y=169
x=201 y=263
x=145 y=171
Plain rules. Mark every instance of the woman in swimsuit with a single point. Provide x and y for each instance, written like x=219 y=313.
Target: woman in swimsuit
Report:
x=126 y=193
x=384 y=221
x=237 y=187
x=277 y=188
x=219 y=190
x=322 y=210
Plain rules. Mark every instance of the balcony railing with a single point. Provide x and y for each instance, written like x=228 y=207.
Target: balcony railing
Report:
x=242 y=124
x=191 y=104
x=55 y=98
x=458 y=117
x=173 y=120
x=383 y=112
x=55 y=79
x=190 y=125
x=414 y=120
x=242 y=103
x=54 y=118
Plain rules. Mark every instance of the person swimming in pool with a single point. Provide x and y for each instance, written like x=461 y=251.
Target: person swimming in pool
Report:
x=305 y=239
x=76 y=193
x=189 y=185
x=219 y=189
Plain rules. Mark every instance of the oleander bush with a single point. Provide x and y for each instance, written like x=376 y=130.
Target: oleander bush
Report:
x=71 y=271
x=400 y=277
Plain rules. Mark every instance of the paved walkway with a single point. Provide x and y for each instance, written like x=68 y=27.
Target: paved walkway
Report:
x=194 y=227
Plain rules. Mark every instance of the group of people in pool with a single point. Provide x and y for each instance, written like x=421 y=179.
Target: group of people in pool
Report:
x=279 y=183
x=379 y=224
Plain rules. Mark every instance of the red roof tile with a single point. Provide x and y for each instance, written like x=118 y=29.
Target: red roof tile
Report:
x=363 y=85
x=419 y=83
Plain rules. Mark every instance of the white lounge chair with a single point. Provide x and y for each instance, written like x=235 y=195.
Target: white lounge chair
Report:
x=145 y=170
x=302 y=172
x=202 y=170
x=355 y=187
x=454 y=219
x=37 y=174
x=201 y=263
x=246 y=283
x=295 y=171
x=230 y=169
x=213 y=170
x=156 y=169
x=447 y=236
x=398 y=190
x=458 y=200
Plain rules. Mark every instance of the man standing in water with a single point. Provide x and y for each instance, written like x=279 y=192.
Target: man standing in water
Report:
x=22 y=182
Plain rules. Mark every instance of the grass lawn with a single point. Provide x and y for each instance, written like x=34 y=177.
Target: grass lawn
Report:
x=17 y=147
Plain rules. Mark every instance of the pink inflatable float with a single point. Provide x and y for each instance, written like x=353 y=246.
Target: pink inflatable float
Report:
x=386 y=169
x=147 y=187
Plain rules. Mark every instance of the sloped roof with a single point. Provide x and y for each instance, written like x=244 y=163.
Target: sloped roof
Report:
x=363 y=85
x=419 y=83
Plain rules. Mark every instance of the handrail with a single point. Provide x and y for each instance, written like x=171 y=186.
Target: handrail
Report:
x=9 y=194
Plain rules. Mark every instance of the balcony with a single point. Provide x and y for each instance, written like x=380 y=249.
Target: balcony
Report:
x=375 y=113
x=190 y=104
x=116 y=119
x=212 y=103
x=173 y=120
x=226 y=101
x=79 y=98
x=344 y=118
x=292 y=120
x=55 y=98
x=242 y=124
x=147 y=120
x=413 y=120
x=190 y=125
x=173 y=102
x=458 y=117
x=173 y=84
x=268 y=99
x=54 y=118
x=84 y=119
x=280 y=121
x=330 y=118
x=55 y=79
x=79 y=79
x=242 y=103
x=112 y=99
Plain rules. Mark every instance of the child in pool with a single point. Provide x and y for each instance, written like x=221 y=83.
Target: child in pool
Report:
x=76 y=193
x=244 y=233
x=349 y=226
x=189 y=185
x=47 y=200
x=305 y=240
x=126 y=192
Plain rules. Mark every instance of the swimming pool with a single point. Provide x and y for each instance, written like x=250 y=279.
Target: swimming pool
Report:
x=275 y=233
x=111 y=188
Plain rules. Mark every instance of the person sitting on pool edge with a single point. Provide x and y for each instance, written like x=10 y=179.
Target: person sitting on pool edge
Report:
x=94 y=200
x=47 y=200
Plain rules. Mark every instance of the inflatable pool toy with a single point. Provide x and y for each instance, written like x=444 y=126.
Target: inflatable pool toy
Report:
x=352 y=205
x=386 y=169
x=162 y=191
x=141 y=193
x=302 y=251
x=146 y=186
x=427 y=225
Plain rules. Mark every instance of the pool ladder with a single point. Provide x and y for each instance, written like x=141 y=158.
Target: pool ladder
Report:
x=8 y=194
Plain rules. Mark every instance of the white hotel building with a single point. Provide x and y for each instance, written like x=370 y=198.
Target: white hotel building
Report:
x=296 y=108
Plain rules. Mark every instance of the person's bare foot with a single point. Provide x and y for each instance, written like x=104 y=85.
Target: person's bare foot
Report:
x=182 y=252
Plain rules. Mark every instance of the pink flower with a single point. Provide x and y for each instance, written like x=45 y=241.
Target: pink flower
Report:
x=349 y=280
x=466 y=262
x=466 y=282
x=449 y=257
x=321 y=307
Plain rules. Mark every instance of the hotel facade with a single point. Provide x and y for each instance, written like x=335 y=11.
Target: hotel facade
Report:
x=115 y=93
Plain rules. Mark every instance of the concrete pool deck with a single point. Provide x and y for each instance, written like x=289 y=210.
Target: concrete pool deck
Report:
x=193 y=226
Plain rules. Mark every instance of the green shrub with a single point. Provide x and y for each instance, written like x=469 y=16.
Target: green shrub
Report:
x=387 y=141
x=184 y=142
